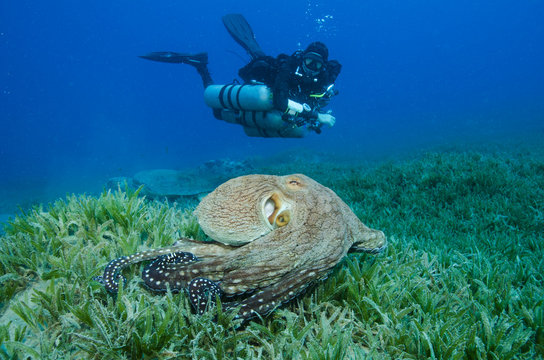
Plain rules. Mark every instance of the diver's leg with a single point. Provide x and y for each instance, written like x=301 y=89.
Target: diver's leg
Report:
x=176 y=58
x=198 y=61
x=204 y=74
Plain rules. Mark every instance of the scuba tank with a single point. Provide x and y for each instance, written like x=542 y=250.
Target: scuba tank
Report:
x=252 y=107
x=254 y=97
x=239 y=97
x=263 y=123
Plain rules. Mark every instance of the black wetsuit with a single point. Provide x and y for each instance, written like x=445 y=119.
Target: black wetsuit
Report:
x=284 y=75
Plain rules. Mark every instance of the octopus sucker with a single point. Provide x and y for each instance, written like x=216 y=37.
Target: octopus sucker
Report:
x=273 y=236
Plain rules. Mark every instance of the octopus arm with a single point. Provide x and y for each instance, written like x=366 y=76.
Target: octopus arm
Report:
x=368 y=240
x=166 y=271
x=203 y=250
x=202 y=293
x=267 y=299
x=112 y=272
x=251 y=278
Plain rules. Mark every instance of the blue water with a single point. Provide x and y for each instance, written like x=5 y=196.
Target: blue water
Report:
x=77 y=105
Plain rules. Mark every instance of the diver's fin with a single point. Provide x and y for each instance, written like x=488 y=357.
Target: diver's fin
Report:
x=177 y=58
x=241 y=32
x=198 y=61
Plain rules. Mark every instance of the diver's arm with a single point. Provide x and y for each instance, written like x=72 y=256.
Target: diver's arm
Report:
x=280 y=88
x=326 y=119
x=333 y=70
x=314 y=117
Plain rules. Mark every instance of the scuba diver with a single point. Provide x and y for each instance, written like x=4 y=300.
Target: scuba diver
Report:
x=280 y=97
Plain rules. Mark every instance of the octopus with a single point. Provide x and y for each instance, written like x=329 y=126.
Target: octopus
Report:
x=272 y=237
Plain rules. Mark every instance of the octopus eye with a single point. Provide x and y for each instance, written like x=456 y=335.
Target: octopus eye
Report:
x=283 y=218
x=277 y=211
x=271 y=207
x=294 y=184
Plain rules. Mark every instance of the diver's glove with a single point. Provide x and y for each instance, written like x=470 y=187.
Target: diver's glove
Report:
x=326 y=119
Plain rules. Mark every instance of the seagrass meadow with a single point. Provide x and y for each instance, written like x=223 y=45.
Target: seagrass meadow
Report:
x=462 y=277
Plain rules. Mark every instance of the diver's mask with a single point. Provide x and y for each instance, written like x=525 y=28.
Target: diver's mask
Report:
x=312 y=63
